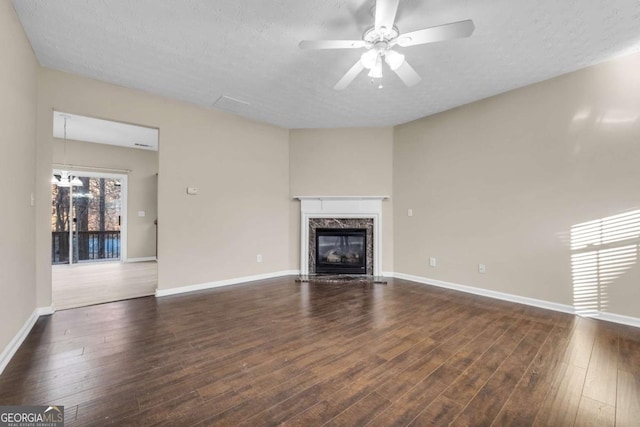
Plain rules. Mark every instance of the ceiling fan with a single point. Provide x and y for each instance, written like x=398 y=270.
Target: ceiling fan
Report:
x=380 y=40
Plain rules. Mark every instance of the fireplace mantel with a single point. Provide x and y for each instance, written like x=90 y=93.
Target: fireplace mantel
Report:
x=341 y=207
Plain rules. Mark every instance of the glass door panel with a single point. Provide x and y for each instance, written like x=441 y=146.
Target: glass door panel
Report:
x=59 y=224
x=96 y=205
x=94 y=211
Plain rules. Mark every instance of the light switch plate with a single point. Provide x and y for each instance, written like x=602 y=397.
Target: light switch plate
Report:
x=192 y=191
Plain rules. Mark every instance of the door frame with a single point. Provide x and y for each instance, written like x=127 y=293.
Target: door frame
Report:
x=124 y=196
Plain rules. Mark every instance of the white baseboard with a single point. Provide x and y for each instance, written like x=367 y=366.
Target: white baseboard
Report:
x=143 y=259
x=16 y=342
x=609 y=317
x=13 y=346
x=45 y=311
x=227 y=282
x=617 y=318
x=487 y=293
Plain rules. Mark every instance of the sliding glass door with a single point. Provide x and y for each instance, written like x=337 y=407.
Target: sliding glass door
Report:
x=87 y=217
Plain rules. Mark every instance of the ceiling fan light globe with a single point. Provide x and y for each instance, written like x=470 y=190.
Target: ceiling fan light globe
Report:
x=376 y=71
x=368 y=59
x=375 y=74
x=393 y=59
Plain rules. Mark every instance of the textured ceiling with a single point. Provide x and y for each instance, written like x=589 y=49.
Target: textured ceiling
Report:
x=215 y=52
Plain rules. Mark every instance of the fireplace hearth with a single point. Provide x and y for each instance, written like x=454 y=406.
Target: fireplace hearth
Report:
x=341 y=251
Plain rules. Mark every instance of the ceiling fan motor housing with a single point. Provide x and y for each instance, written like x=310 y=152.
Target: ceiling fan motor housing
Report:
x=373 y=35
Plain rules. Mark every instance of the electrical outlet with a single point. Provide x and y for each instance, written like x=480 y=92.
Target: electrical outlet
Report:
x=409 y=212
x=259 y=258
x=432 y=262
x=482 y=268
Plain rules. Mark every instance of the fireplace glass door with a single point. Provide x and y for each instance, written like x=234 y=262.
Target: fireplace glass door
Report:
x=341 y=251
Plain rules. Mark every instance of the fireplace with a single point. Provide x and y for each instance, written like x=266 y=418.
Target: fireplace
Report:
x=337 y=226
x=341 y=212
x=341 y=251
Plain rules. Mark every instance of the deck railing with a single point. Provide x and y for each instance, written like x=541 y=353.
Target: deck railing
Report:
x=91 y=245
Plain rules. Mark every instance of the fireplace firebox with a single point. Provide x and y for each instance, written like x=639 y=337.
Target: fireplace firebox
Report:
x=341 y=251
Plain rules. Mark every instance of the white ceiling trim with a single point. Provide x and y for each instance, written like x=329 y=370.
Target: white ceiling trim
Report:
x=89 y=129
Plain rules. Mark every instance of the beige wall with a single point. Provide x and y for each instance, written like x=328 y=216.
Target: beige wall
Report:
x=240 y=167
x=17 y=163
x=241 y=170
x=502 y=181
x=342 y=162
x=141 y=185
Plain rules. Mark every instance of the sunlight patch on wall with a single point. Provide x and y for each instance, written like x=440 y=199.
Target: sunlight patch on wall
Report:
x=602 y=251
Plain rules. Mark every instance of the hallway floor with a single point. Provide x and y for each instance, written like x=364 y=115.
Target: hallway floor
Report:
x=80 y=285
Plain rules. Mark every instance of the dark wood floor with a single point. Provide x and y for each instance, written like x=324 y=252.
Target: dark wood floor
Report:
x=278 y=351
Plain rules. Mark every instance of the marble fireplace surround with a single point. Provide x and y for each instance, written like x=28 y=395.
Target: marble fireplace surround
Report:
x=361 y=210
x=338 y=223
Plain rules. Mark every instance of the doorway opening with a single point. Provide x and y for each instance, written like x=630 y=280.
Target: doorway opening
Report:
x=103 y=207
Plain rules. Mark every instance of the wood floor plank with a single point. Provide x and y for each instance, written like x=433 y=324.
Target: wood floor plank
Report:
x=361 y=412
x=174 y=412
x=560 y=406
x=487 y=403
x=592 y=413
x=628 y=401
x=536 y=382
x=399 y=384
x=360 y=388
x=325 y=410
x=101 y=409
x=281 y=352
x=307 y=398
x=628 y=391
x=467 y=385
x=629 y=353
x=480 y=344
x=580 y=346
x=441 y=412
x=409 y=406
x=600 y=383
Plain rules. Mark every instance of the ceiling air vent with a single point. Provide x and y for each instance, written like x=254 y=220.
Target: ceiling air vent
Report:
x=230 y=104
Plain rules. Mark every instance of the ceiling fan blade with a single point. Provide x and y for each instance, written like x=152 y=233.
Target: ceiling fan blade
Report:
x=386 y=13
x=407 y=74
x=455 y=30
x=349 y=76
x=331 y=44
